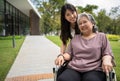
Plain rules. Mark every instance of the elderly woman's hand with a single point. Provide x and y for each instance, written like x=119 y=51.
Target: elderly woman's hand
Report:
x=60 y=60
x=107 y=64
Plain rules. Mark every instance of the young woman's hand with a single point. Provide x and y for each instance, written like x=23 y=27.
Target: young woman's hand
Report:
x=60 y=60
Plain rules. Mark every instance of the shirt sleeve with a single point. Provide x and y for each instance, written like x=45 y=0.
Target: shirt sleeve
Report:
x=106 y=48
x=69 y=49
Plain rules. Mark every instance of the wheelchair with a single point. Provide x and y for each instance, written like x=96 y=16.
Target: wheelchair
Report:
x=56 y=72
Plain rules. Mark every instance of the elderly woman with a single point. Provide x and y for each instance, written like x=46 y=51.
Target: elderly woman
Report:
x=89 y=53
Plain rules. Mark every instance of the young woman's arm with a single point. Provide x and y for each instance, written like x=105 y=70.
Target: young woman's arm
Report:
x=62 y=58
x=63 y=48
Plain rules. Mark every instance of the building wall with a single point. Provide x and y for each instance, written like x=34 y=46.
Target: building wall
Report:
x=2 y=24
x=12 y=20
x=34 y=23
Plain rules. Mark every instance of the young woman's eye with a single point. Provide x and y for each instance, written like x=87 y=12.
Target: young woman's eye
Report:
x=67 y=14
x=72 y=12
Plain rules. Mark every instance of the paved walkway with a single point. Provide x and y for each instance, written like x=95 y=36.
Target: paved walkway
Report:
x=35 y=60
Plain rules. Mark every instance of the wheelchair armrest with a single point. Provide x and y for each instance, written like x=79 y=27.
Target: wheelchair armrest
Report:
x=111 y=76
x=58 y=70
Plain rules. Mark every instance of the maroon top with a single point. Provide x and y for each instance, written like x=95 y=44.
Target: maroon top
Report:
x=87 y=53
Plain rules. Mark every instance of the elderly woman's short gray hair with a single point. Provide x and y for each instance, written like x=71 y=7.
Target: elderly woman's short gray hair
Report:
x=89 y=17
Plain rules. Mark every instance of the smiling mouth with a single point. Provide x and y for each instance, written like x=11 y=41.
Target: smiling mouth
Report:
x=72 y=19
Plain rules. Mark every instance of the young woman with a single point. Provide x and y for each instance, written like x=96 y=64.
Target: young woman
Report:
x=69 y=25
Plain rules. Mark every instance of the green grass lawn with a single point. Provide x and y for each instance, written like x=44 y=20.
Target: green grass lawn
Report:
x=8 y=53
x=115 y=47
x=116 y=50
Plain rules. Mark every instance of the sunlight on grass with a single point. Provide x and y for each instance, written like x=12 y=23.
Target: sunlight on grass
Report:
x=55 y=39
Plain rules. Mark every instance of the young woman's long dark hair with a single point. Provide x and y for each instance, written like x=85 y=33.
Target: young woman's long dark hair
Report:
x=65 y=25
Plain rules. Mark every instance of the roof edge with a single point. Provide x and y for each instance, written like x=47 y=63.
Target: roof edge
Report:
x=34 y=8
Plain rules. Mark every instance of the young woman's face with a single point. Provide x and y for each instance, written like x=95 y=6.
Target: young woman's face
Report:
x=85 y=25
x=71 y=16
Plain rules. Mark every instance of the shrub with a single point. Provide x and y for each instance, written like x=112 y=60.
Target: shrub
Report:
x=112 y=37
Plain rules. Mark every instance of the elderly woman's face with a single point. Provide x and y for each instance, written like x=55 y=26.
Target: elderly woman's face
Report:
x=85 y=25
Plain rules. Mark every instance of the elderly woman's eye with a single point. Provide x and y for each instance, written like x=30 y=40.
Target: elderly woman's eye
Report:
x=85 y=22
x=80 y=23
